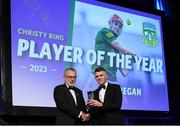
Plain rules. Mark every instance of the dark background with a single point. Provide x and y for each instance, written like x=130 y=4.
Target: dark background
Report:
x=171 y=20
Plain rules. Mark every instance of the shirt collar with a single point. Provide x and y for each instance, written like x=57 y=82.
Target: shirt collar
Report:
x=106 y=84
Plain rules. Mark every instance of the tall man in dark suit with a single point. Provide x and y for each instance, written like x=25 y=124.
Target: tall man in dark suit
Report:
x=105 y=107
x=69 y=101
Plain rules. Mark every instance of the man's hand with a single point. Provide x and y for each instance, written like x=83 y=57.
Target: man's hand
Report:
x=94 y=103
x=85 y=116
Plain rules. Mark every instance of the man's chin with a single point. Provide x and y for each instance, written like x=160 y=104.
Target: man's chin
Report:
x=71 y=84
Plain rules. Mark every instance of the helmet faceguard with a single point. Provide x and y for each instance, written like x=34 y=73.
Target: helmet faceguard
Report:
x=116 y=24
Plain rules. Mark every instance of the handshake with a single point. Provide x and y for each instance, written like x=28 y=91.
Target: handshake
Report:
x=85 y=117
x=90 y=103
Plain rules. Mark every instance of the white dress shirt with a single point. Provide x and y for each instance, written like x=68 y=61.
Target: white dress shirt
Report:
x=74 y=97
x=73 y=94
x=102 y=93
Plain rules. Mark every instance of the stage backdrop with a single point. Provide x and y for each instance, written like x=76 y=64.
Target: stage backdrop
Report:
x=49 y=36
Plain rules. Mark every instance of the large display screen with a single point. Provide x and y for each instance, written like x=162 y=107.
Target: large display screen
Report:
x=49 y=36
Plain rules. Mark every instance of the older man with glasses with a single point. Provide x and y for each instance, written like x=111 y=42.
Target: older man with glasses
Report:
x=69 y=101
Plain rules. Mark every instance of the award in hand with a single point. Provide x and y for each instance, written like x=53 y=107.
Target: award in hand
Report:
x=90 y=95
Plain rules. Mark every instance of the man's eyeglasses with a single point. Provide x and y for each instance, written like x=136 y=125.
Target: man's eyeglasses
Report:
x=71 y=77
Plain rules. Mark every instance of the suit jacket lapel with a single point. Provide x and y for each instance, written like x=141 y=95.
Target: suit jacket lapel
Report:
x=96 y=94
x=107 y=93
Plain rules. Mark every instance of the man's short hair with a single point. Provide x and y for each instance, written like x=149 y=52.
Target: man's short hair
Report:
x=100 y=69
x=70 y=68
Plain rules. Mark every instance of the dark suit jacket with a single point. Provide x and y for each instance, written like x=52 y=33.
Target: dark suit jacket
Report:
x=68 y=111
x=110 y=112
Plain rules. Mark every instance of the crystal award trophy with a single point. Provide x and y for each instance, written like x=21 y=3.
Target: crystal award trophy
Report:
x=90 y=95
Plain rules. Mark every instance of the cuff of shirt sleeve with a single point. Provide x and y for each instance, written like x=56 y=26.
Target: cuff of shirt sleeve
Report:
x=79 y=116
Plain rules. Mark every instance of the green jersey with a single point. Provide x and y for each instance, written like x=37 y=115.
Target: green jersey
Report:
x=103 y=42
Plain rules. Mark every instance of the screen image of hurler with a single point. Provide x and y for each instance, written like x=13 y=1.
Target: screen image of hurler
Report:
x=48 y=37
